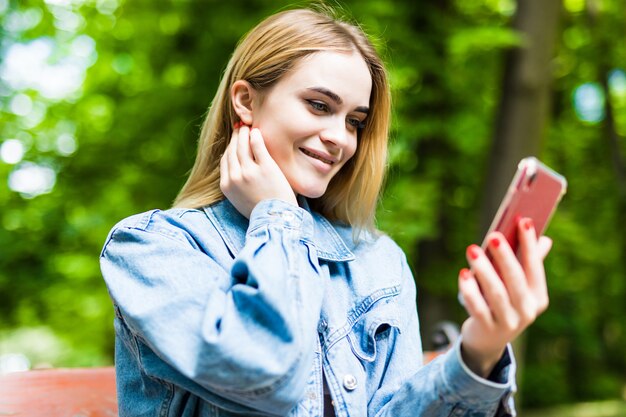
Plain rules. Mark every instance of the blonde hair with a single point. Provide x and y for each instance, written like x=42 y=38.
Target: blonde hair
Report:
x=261 y=58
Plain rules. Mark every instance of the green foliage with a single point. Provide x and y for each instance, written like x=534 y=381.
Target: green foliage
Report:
x=123 y=141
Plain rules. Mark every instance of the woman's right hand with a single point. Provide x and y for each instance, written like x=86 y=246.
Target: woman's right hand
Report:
x=249 y=174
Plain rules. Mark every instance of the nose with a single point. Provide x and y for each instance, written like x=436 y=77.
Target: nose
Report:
x=336 y=133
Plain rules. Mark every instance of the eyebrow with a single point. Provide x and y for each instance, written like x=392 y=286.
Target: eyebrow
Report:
x=334 y=97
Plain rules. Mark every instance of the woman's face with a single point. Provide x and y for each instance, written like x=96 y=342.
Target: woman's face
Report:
x=310 y=118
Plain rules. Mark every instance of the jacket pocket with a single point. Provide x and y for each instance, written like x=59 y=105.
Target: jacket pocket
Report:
x=374 y=327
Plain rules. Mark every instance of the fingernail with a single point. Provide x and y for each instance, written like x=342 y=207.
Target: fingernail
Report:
x=494 y=242
x=465 y=274
x=473 y=251
x=528 y=223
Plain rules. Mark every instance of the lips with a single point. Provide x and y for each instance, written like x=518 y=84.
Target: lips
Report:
x=327 y=159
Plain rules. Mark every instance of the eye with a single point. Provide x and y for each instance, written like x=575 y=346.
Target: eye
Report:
x=356 y=123
x=318 y=105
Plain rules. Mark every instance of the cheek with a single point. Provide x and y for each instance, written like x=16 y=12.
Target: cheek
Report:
x=278 y=138
x=274 y=148
x=278 y=146
x=351 y=149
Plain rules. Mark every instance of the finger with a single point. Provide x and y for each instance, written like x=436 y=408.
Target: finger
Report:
x=544 y=245
x=532 y=261
x=224 y=178
x=234 y=168
x=529 y=254
x=492 y=287
x=244 y=154
x=509 y=268
x=473 y=299
x=259 y=150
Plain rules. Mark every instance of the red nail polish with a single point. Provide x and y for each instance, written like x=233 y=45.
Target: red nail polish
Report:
x=473 y=251
x=494 y=242
x=528 y=224
x=465 y=274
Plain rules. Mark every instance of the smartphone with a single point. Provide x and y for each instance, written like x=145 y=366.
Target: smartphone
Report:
x=534 y=192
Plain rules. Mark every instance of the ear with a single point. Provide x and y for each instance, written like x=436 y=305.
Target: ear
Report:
x=242 y=96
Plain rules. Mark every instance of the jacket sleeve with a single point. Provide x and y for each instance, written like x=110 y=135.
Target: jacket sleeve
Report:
x=250 y=340
x=445 y=386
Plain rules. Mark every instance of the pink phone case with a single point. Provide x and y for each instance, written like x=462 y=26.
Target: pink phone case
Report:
x=534 y=192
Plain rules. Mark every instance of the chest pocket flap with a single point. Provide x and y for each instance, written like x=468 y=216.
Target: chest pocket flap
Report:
x=374 y=326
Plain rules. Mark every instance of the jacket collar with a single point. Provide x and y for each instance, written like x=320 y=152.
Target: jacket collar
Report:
x=232 y=227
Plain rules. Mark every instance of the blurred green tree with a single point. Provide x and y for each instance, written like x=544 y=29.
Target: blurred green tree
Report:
x=101 y=103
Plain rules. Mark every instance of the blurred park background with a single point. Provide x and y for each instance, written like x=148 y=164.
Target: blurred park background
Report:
x=101 y=103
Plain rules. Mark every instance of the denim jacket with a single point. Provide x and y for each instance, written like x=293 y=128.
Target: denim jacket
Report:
x=220 y=316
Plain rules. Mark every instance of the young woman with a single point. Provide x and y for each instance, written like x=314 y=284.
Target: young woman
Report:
x=267 y=290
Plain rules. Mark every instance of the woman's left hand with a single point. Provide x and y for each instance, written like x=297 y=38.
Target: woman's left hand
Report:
x=249 y=174
x=502 y=297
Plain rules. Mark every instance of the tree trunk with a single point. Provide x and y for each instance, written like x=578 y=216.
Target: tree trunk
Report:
x=433 y=307
x=525 y=101
x=524 y=108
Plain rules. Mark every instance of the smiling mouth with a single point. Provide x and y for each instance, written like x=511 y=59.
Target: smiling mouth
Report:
x=312 y=155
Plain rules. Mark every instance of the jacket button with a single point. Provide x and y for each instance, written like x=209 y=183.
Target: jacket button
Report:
x=322 y=326
x=349 y=382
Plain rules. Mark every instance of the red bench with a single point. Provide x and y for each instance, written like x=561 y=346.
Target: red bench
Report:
x=78 y=392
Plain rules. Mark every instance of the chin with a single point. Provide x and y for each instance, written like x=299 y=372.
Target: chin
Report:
x=311 y=191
